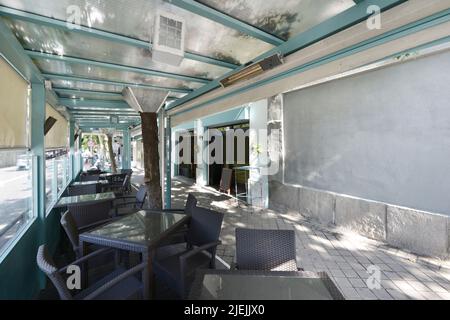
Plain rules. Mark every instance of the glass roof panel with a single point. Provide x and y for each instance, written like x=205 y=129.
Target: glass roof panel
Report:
x=137 y=18
x=86 y=71
x=56 y=41
x=85 y=86
x=284 y=19
x=90 y=96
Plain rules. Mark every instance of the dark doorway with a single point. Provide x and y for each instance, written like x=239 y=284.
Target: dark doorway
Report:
x=215 y=169
x=189 y=169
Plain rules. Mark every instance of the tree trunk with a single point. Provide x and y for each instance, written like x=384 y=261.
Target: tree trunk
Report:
x=151 y=159
x=111 y=153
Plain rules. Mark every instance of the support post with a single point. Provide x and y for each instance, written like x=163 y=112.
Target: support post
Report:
x=168 y=174
x=38 y=150
x=126 y=153
x=73 y=172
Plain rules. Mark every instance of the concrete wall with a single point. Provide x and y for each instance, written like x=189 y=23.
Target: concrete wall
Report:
x=371 y=153
x=383 y=135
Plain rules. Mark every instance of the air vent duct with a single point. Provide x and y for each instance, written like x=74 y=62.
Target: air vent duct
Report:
x=168 y=40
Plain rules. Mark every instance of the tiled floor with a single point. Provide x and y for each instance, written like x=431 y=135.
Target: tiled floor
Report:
x=347 y=258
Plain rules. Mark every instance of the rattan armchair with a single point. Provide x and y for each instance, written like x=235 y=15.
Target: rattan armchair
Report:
x=119 y=285
x=270 y=250
x=176 y=265
x=136 y=204
x=83 y=189
x=86 y=215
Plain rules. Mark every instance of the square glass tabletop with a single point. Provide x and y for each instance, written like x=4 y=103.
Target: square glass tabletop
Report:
x=141 y=228
x=87 y=183
x=262 y=285
x=110 y=174
x=86 y=199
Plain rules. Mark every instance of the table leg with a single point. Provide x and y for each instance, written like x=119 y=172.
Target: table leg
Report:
x=84 y=266
x=148 y=276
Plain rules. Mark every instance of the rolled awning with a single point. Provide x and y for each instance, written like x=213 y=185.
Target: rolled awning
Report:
x=14 y=97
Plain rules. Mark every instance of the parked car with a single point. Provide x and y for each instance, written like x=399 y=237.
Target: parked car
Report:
x=23 y=162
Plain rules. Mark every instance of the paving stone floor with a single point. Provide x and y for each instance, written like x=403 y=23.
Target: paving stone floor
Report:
x=346 y=257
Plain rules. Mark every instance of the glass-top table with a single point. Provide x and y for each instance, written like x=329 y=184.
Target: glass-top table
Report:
x=140 y=232
x=85 y=199
x=87 y=183
x=263 y=285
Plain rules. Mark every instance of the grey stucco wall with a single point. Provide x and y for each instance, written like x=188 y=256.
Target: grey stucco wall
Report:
x=382 y=135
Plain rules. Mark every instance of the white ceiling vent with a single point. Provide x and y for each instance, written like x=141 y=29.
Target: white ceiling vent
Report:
x=48 y=85
x=168 y=41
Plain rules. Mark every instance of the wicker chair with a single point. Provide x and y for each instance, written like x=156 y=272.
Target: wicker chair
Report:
x=180 y=235
x=129 y=173
x=70 y=227
x=176 y=265
x=270 y=250
x=116 y=180
x=83 y=189
x=119 y=285
x=132 y=206
x=89 y=177
x=86 y=215
x=119 y=191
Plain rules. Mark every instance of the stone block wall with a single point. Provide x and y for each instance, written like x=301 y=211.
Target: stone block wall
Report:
x=420 y=232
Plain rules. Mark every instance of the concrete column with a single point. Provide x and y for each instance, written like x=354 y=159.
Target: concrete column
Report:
x=38 y=150
x=168 y=165
x=73 y=172
x=258 y=181
x=202 y=167
x=126 y=152
x=162 y=153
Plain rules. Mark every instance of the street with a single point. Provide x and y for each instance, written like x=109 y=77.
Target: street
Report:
x=15 y=199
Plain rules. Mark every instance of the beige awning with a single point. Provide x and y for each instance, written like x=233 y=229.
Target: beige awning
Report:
x=14 y=97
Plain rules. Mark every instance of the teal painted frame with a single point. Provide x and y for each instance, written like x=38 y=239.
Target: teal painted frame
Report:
x=168 y=164
x=227 y=20
x=114 y=66
x=325 y=29
x=54 y=23
x=126 y=155
x=53 y=76
x=110 y=104
x=422 y=24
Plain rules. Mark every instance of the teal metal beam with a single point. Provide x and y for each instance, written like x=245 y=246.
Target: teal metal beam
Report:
x=100 y=34
x=12 y=50
x=64 y=77
x=112 y=104
x=114 y=66
x=226 y=20
x=37 y=119
x=321 y=31
x=436 y=19
x=168 y=164
x=85 y=92
x=100 y=110
x=103 y=113
x=87 y=126
x=102 y=116
x=73 y=172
